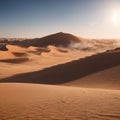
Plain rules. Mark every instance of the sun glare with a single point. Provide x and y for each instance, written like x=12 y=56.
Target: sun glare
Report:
x=116 y=18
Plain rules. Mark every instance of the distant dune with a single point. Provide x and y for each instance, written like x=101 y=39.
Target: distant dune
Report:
x=58 y=39
x=12 y=52
x=64 y=40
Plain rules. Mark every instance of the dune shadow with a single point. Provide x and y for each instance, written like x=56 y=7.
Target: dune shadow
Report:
x=15 y=61
x=19 y=54
x=62 y=50
x=40 y=50
x=71 y=71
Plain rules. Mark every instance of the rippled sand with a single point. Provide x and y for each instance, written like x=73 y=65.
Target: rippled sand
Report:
x=47 y=102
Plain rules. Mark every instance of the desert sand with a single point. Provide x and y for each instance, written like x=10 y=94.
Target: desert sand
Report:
x=47 y=102
x=19 y=58
x=60 y=82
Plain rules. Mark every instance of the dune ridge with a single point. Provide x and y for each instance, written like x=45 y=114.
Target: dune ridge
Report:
x=64 y=73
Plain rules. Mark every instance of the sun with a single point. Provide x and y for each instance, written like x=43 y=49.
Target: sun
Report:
x=116 y=18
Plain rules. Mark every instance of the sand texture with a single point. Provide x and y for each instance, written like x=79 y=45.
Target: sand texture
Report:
x=47 y=102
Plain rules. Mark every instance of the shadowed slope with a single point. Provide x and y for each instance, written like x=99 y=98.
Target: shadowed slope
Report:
x=70 y=71
x=108 y=79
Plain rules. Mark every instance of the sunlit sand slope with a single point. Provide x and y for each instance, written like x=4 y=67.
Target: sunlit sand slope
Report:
x=45 y=102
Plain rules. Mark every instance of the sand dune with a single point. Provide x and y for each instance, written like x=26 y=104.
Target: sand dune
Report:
x=55 y=51
x=72 y=79
x=65 y=73
x=29 y=101
x=65 y=40
x=6 y=55
x=38 y=50
x=13 y=48
x=11 y=52
x=14 y=54
x=58 y=39
x=35 y=58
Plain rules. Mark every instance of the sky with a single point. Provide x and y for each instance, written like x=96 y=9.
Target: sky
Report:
x=38 y=18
